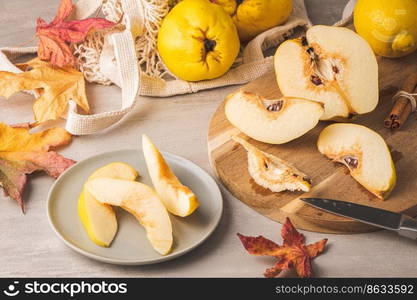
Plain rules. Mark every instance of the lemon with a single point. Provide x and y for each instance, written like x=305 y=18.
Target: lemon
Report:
x=389 y=26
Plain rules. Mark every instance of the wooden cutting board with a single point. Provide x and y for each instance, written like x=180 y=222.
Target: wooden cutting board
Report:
x=330 y=180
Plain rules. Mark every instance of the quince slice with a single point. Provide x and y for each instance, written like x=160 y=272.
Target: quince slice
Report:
x=98 y=219
x=272 y=121
x=177 y=198
x=364 y=152
x=141 y=201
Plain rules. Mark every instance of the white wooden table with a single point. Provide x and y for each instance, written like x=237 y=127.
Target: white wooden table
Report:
x=28 y=246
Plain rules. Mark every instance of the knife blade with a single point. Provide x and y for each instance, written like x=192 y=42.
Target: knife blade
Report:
x=402 y=224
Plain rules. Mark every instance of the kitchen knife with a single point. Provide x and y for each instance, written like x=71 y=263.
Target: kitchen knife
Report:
x=402 y=224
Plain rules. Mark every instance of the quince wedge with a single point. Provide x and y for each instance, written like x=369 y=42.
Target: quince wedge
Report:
x=142 y=202
x=99 y=219
x=177 y=198
x=364 y=152
x=331 y=65
x=272 y=121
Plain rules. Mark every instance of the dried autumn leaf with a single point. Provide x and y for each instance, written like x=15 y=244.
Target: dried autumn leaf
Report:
x=56 y=86
x=55 y=38
x=292 y=254
x=22 y=153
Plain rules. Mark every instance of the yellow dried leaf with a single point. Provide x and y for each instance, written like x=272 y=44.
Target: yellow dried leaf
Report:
x=19 y=139
x=22 y=153
x=56 y=86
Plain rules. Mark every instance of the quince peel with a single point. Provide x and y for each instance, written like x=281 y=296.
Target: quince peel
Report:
x=294 y=253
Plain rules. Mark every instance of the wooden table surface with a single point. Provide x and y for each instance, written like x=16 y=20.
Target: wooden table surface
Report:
x=28 y=246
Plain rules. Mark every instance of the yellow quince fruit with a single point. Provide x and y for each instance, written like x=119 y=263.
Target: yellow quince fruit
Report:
x=390 y=27
x=172 y=3
x=255 y=16
x=198 y=40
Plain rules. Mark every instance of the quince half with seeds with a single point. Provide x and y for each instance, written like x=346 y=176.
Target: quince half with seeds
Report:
x=364 y=152
x=330 y=65
x=272 y=121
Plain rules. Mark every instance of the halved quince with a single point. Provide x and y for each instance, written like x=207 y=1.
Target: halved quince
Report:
x=331 y=65
x=177 y=198
x=98 y=219
x=272 y=172
x=364 y=152
x=272 y=121
x=141 y=201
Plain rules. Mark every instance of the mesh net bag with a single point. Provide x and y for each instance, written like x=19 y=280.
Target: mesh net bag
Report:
x=88 y=52
x=127 y=56
x=151 y=66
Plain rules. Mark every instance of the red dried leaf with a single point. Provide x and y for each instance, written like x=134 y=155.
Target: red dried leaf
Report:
x=316 y=248
x=55 y=38
x=53 y=49
x=281 y=265
x=64 y=11
x=290 y=235
x=258 y=245
x=292 y=254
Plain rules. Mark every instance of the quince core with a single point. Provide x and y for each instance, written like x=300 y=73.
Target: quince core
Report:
x=273 y=173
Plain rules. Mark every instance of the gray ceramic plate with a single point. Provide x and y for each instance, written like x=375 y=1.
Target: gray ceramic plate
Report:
x=130 y=246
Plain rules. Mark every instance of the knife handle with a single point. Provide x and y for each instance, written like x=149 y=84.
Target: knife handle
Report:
x=408 y=227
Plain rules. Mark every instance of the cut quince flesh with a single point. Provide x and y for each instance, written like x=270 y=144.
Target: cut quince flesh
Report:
x=272 y=121
x=177 y=198
x=364 y=152
x=331 y=65
x=142 y=202
x=98 y=219
x=272 y=172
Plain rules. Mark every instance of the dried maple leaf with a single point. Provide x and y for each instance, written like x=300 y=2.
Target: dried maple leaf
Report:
x=55 y=38
x=56 y=86
x=22 y=153
x=292 y=254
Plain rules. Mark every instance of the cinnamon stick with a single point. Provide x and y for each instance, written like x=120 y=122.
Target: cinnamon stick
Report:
x=402 y=106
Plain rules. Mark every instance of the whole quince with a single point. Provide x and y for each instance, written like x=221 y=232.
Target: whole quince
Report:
x=390 y=27
x=198 y=40
x=255 y=16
